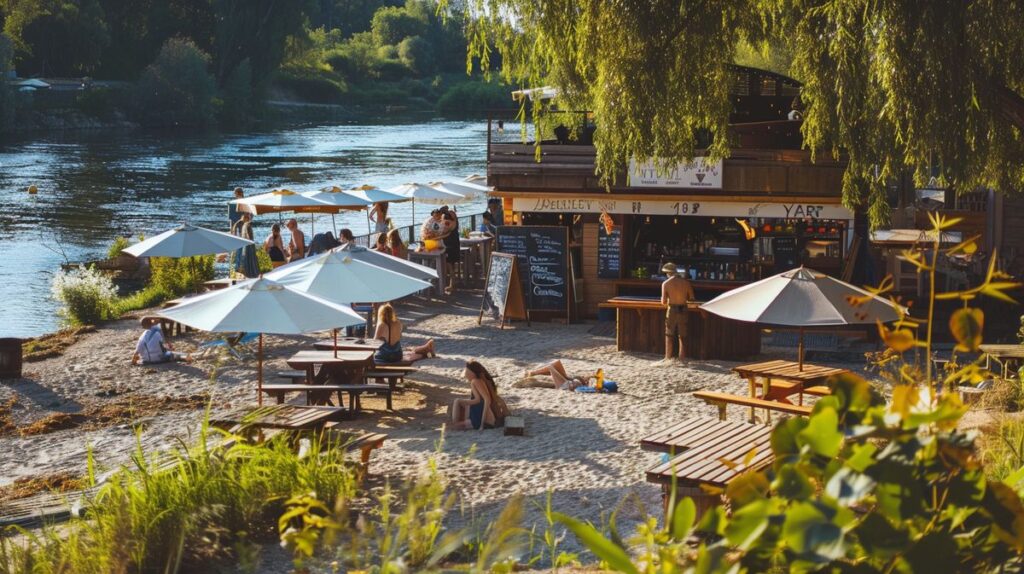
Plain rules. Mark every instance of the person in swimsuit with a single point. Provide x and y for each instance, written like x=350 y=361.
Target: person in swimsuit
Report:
x=379 y=217
x=557 y=372
x=297 y=243
x=676 y=292
x=396 y=246
x=479 y=411
x=274 y=245
x=389 y=330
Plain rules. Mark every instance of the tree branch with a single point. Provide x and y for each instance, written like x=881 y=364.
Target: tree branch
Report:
x=1011 y=104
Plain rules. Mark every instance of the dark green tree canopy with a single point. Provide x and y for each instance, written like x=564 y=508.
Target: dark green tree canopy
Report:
x=894 y=86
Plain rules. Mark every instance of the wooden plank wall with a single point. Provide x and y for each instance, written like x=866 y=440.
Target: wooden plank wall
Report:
x=1012 y=249
x=595 y=291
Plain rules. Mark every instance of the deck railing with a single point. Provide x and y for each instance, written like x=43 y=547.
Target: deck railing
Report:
x=411 y=233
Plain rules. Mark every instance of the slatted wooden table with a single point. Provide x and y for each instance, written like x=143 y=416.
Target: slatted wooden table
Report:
x=707 y=443
x=1005 y=354
x=285 y=417
x=781 y=379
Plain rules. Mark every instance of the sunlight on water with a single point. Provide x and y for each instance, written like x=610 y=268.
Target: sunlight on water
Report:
x=96 y=186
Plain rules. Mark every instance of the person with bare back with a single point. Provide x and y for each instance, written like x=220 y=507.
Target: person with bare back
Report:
x=676 y=292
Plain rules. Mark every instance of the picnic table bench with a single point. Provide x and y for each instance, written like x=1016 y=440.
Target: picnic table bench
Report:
x=285 y=417
x=1005 y=354
x=780 y=379
x=723 y=400
x=319 y=394
x=708 y=443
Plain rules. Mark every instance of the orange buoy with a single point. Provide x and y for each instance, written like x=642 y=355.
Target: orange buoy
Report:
x=32 y=190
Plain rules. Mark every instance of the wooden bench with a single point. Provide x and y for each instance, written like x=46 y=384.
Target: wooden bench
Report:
x=691 y=433
x=722 y=400
x=354 y=392
x=296 y=377
x=392 y=377
x=279 y=391
x=365 y=442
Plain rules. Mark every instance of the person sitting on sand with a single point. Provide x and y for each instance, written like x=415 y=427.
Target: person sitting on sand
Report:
x=389 y=330
x=557 y=372
x=152 y=348
x=484 y=409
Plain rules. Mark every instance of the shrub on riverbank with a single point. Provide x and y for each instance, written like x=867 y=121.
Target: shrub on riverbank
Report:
x=85 y=293
x=176 y=89
x=473 y=98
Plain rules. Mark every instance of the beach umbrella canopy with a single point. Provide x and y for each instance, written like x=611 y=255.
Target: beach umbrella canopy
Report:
x=281 y=200
x=803 y=298
x=187 y=241
x=464 y=188
x=476 y=178
x=338 y=198
x=338 y=277
x=426 y=194
x=261 y=306
x=375 y=195
x=389 y=262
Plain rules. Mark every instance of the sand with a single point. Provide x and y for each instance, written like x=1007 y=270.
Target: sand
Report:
x=583 y=447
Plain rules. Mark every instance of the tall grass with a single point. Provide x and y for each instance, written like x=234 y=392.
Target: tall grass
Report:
x=208 y=506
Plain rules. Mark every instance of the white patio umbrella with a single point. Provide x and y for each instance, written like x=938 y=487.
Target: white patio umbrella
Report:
x=282 y=200
x=375 y=195
x=389 y=262
x=339 y=198
x=187 y=241
x=261 y=306
x=803 y=298
x=338 y=277
x=468 y=190
x=426 y=194
x=476 y=178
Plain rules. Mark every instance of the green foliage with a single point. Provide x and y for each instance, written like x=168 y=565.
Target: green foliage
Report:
x=471 y=98
x=119 y=244
x=7 y=95
x=55 y=37
x=86 y=295
x=312 y=88
x=417 y=54
x=145 y=298
x=208 y=505
x=882 y=82
x=177 y=89
x=391 y=25
x=1002 y=451
x=178 y=276
x=238 y=100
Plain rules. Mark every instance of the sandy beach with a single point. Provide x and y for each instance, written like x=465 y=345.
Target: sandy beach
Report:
x=584 y=447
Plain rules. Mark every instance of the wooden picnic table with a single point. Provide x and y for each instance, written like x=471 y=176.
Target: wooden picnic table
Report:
x=1005 y=354
x=349 y=344
x=336 y=368
x=436 y=260
x=286 y=417
x=705 y=443
x=781 y=379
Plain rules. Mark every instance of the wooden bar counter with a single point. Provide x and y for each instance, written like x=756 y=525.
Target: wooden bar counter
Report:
x=640 y=326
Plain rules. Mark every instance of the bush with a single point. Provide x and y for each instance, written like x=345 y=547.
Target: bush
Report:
x=237 y=96
x=149 y=297
x=119 y=244
x=177 y=89
x=96 y=102
x=418 y=55
x=86 y=294
x=391 y=25
x=471 y=98
x=389 y=70
x=180 y=276
x=318 y=89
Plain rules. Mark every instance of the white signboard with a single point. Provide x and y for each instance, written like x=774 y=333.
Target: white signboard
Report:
x=696 y=174
x=563 y=204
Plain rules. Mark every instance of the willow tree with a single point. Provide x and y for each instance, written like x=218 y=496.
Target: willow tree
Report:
x=892 y=86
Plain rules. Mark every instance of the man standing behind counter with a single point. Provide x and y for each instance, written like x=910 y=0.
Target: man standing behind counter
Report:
x=676 y=292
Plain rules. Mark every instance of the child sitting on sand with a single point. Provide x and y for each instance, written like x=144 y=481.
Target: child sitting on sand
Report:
x=152 y=348
x=557 y=372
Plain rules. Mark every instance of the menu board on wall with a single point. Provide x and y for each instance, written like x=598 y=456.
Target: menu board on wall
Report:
x=543 y=255
x=786 y=253
x=609 y=253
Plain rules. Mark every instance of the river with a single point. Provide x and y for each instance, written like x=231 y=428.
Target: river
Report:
x=95 y=186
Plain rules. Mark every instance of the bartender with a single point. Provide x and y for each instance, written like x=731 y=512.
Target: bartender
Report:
x=676 y=292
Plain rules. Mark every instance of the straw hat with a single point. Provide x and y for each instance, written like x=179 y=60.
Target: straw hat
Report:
x=669 y=269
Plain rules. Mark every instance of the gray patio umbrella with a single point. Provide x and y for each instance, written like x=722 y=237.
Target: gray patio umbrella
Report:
x=803 y=298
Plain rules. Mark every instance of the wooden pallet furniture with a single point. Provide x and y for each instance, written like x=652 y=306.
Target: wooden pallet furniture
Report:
x=704 y=445
x=723 y=400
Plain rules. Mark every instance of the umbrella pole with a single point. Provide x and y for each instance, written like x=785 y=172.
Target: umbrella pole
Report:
x=334 y=224
x=800 y=349
x=368 y=228
x=259 y=379
x=335 y=343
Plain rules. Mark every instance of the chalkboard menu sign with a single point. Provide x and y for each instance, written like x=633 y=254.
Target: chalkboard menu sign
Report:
x=609 y=253
x=786 y=252
x=543 y=255
x=503 y=296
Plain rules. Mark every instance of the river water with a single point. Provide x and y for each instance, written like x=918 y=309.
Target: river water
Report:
x=94 y=187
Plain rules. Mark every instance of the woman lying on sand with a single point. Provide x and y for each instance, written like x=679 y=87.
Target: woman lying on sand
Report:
x=484 y=409
x=389 y=330
x=557 y=372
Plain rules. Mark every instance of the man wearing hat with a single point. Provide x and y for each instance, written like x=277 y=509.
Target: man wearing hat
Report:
x=676 y=291
x=152 y=348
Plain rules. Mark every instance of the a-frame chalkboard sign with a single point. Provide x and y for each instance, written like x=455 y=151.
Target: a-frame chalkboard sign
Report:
x=503 y=292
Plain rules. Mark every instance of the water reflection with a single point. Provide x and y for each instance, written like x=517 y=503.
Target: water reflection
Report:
x=96 y=186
